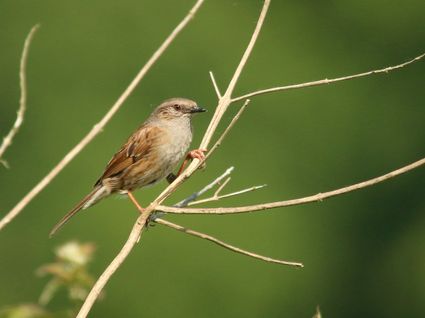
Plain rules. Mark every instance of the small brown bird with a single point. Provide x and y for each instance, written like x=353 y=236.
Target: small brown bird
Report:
x=149 y=155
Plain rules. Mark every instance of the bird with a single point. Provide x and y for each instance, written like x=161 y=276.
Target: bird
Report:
x=149 y=155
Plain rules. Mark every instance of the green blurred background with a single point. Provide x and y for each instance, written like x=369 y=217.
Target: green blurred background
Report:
x=364 y=253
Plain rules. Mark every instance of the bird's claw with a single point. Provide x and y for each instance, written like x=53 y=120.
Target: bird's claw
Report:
x=197 y=153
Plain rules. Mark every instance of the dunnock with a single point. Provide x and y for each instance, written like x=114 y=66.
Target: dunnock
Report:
x=149 y=155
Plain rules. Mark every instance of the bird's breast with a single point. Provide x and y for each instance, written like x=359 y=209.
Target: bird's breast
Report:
x=179 y=137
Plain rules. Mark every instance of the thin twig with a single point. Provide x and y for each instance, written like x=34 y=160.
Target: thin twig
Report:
x=217 y=90
x=226 y=131
x=327 y=81
x=313 y=198
x=189 y=201
x=226 y=99
x=209 y=186
x=221 y=187
x=7 y=141
x=217 y=197
x=225 y=245
x=101 y=124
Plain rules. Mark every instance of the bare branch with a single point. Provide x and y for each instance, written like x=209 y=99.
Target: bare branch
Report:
x=7 y=141
x=217 y=197
x=217 y=90
x=190 y=200
x=225 y=245
x=101 y=124
x=113 y=266
x=195 y=195
x=226 y=131
x=327 y=81
x=309 y=199
x=225 y=101
x=221 y=187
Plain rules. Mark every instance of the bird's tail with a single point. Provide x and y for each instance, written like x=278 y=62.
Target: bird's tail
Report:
x=98 y=193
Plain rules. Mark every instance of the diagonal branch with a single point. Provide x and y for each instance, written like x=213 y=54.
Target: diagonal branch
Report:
x=309 y=199
x=327 y=81
x=226 y=131
x=217 y=90
x=101 y=124
x=221 y=187
x=225 y=245
x=113 y=266
x=226 y=99
x=197 y=194
x=217 y=197
x=7 y=141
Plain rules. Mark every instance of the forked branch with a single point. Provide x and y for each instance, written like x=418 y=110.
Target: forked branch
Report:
x=304 y=200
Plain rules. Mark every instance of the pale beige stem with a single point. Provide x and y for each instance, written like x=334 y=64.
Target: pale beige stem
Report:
x=217 y=197
x=226 y=131
x=113 y=266
x=226 y=99
x=217 y=90
x=327 y=81
x=221 y=187
x=208 y=187
x=313 y=198
x=7 y=141
x=225 y=245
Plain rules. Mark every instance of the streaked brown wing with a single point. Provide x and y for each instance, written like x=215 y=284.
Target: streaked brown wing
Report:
x=138 y=146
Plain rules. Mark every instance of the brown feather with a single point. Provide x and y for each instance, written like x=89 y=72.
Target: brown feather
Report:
x=76 y=209
x=137 y=147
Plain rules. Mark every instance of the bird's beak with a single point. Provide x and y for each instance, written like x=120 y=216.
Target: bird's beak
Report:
x=198 y=109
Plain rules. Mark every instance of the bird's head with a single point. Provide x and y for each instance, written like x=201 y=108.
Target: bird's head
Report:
x=177 y=108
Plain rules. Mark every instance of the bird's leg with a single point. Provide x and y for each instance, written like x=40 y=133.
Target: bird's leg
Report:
x=133 y=199
x=196 y=153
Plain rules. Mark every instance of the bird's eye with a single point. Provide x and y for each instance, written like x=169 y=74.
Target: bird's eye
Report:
x=176 y=106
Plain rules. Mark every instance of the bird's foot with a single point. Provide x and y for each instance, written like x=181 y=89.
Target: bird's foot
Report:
x=196 y=153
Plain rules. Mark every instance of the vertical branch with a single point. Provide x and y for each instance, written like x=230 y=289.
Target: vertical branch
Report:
x=7 y=141
x=226 y=99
